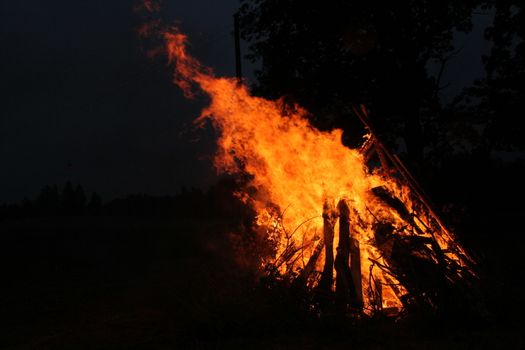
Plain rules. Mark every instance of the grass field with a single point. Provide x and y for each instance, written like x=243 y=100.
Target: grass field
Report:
x=157 y=283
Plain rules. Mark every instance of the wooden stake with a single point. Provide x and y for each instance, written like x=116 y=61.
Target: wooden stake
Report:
x=329 y=220
x=345 y=288
x=355 y=270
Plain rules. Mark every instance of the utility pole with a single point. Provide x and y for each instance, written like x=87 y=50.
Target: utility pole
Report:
x=237 y=34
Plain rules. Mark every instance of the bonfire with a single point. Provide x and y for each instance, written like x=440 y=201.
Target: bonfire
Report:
x=356 y=214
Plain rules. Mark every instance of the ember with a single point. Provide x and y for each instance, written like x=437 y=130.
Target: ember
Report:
x=306 y=186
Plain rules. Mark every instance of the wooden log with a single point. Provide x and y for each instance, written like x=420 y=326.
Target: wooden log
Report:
x=355 y=270
x=367 y=148
x=345 y=288
x=329 y=220
x=383 y=160
x=396 y=204
x=310 y=266
x=378 y=298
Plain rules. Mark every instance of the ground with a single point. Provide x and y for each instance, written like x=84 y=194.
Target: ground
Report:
x=157 y=283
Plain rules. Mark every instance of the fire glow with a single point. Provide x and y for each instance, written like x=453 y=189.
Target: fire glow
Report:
x=302 y=179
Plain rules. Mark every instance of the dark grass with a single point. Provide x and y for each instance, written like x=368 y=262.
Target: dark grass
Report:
x=158 y=283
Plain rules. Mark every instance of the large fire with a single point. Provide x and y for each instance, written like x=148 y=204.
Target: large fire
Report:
x=296 y=171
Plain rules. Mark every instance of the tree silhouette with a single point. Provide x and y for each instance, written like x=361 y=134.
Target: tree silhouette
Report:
x=68 y=199
x=48 y=201
x=331 y=55
x=95 y=204
x=79 y=200
x=500 y=96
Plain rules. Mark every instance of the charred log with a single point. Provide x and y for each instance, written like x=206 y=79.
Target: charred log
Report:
x=412 y=262
x=396 y=204
x=346 y=292
x=329 y=220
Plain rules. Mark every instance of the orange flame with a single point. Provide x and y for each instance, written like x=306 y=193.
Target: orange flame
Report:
x=294 y=169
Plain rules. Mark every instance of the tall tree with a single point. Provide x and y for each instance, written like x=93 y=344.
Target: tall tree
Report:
x=333 y=54
x=68 y=199
x=95 y=204
x=500 y=96
x=80 y=200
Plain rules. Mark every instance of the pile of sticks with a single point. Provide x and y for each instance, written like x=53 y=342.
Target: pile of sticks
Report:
x=416 y=260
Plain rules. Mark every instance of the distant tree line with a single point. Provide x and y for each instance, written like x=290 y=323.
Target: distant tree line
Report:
x=219 y=201
x=70 y=200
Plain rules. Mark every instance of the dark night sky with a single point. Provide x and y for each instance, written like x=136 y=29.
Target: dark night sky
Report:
x=78 y=90
x=81 y=102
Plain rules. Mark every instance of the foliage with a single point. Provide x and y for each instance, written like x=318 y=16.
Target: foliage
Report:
x=497 y=101
x=331 y=55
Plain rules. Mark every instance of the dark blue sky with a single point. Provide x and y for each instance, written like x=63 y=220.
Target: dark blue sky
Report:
x=82 y=102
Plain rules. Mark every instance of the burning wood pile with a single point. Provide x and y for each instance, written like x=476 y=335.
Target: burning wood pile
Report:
x=412 y=264
x=326 y=211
